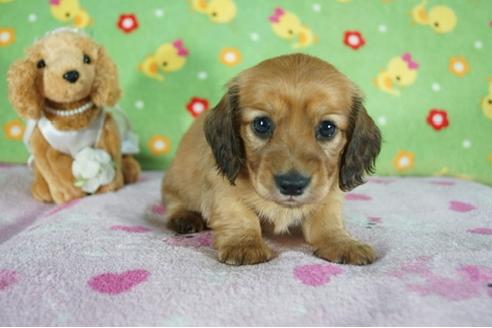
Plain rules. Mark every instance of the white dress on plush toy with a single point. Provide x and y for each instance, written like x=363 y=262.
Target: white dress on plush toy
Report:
x=89 y=168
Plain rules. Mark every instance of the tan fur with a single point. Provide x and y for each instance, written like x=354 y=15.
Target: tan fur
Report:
x=235 y=196
x=32 y=88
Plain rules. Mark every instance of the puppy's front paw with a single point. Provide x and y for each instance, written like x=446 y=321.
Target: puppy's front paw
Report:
x=346 y=252
x=245 y=253
x=186 y=222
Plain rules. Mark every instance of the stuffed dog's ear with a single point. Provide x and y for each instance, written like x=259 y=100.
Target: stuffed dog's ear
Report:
x=222 y=131
x=23 y=89
x=106 y=90
x=363 y=146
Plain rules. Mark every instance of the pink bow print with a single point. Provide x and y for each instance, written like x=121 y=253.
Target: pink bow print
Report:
x=55 y=2
x=179 y=45
x=407 y=58
x=277 y=13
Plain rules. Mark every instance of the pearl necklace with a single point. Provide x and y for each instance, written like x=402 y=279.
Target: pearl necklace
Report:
x=70 y=112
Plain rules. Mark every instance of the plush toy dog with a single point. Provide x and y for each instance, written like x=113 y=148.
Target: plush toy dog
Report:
x=63 y=87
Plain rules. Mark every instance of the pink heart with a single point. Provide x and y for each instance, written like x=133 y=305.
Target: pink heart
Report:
x=136 y=229
x=158 y=209
x=316 y=274
x=380 y=181
x=442 y=183
x=192 y=240
x=462 y=207
x=481 y=231
x=374 y=219
x=7 y=278
x=116 y=283
x=353 y=196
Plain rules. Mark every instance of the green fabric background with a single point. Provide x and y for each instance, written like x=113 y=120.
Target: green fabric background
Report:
x=464 y=148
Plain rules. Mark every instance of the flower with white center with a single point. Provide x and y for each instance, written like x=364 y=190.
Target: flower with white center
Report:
x=202 y=75
x=139 y=104
x=32 y=18
x=92 y=168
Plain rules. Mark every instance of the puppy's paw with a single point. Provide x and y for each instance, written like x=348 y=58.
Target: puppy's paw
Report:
x=186 y=222
x=346 y=252
x=245 y=253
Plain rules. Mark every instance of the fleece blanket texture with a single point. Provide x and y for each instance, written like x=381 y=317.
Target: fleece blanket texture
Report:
x=101 y=261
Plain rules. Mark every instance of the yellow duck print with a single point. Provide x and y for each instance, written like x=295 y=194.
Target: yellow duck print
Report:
x=70 y=10
x=487 y=102
x=288 y=26
x=400 y=72
x=219 y=11
x=441 y=19
x=169 y=57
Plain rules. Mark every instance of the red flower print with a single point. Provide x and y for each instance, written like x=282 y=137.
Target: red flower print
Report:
x=196 y=106
x=127 y=23
x=353 y=39
x=438 y=119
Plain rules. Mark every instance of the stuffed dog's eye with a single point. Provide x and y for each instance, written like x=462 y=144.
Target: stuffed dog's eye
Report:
x=262 y=126
x=87 y=59
x=326 y=130
x=41 y=64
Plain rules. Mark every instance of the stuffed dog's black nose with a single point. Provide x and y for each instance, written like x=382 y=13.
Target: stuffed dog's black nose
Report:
x=292 y=183
x=71 y=76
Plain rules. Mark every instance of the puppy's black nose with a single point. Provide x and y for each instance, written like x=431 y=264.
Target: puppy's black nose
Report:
x=292 y=183
x=71 y=76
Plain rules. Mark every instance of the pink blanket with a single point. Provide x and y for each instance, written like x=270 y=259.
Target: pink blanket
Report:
x=99 y=261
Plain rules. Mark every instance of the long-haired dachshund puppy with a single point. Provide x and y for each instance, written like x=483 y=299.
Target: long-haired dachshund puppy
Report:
x=284 y=142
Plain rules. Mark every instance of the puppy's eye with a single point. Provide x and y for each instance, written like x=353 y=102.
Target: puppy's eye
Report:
x=87 y=59
x=326 y=130
x=262 y=126
x=41 y=64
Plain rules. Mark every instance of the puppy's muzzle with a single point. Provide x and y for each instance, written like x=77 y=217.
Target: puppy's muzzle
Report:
x=71 y=76
x=292 y=183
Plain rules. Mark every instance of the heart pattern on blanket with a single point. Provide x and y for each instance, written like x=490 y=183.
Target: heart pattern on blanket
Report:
x=353 y=196
x=461 y=207
x=134 y=229
x=116 y=283
x=316 y=274
x=158 y=209
x=481 y=231
x=7 y=278
x=202 y=239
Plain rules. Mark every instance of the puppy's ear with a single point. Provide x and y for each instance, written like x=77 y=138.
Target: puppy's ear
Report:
x=106 y=90
x=222 y=131
x=23 y=89
x=363 y=146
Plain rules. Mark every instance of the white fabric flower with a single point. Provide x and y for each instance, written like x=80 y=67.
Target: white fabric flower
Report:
x=92 y=168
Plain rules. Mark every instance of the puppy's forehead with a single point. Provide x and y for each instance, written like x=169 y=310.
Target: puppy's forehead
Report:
x=296 y=81
x=63 y=41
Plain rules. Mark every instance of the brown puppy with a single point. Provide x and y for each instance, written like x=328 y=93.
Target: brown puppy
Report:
x=283 y=143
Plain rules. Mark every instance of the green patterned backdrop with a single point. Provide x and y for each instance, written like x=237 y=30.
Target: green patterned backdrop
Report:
x=425 y=66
